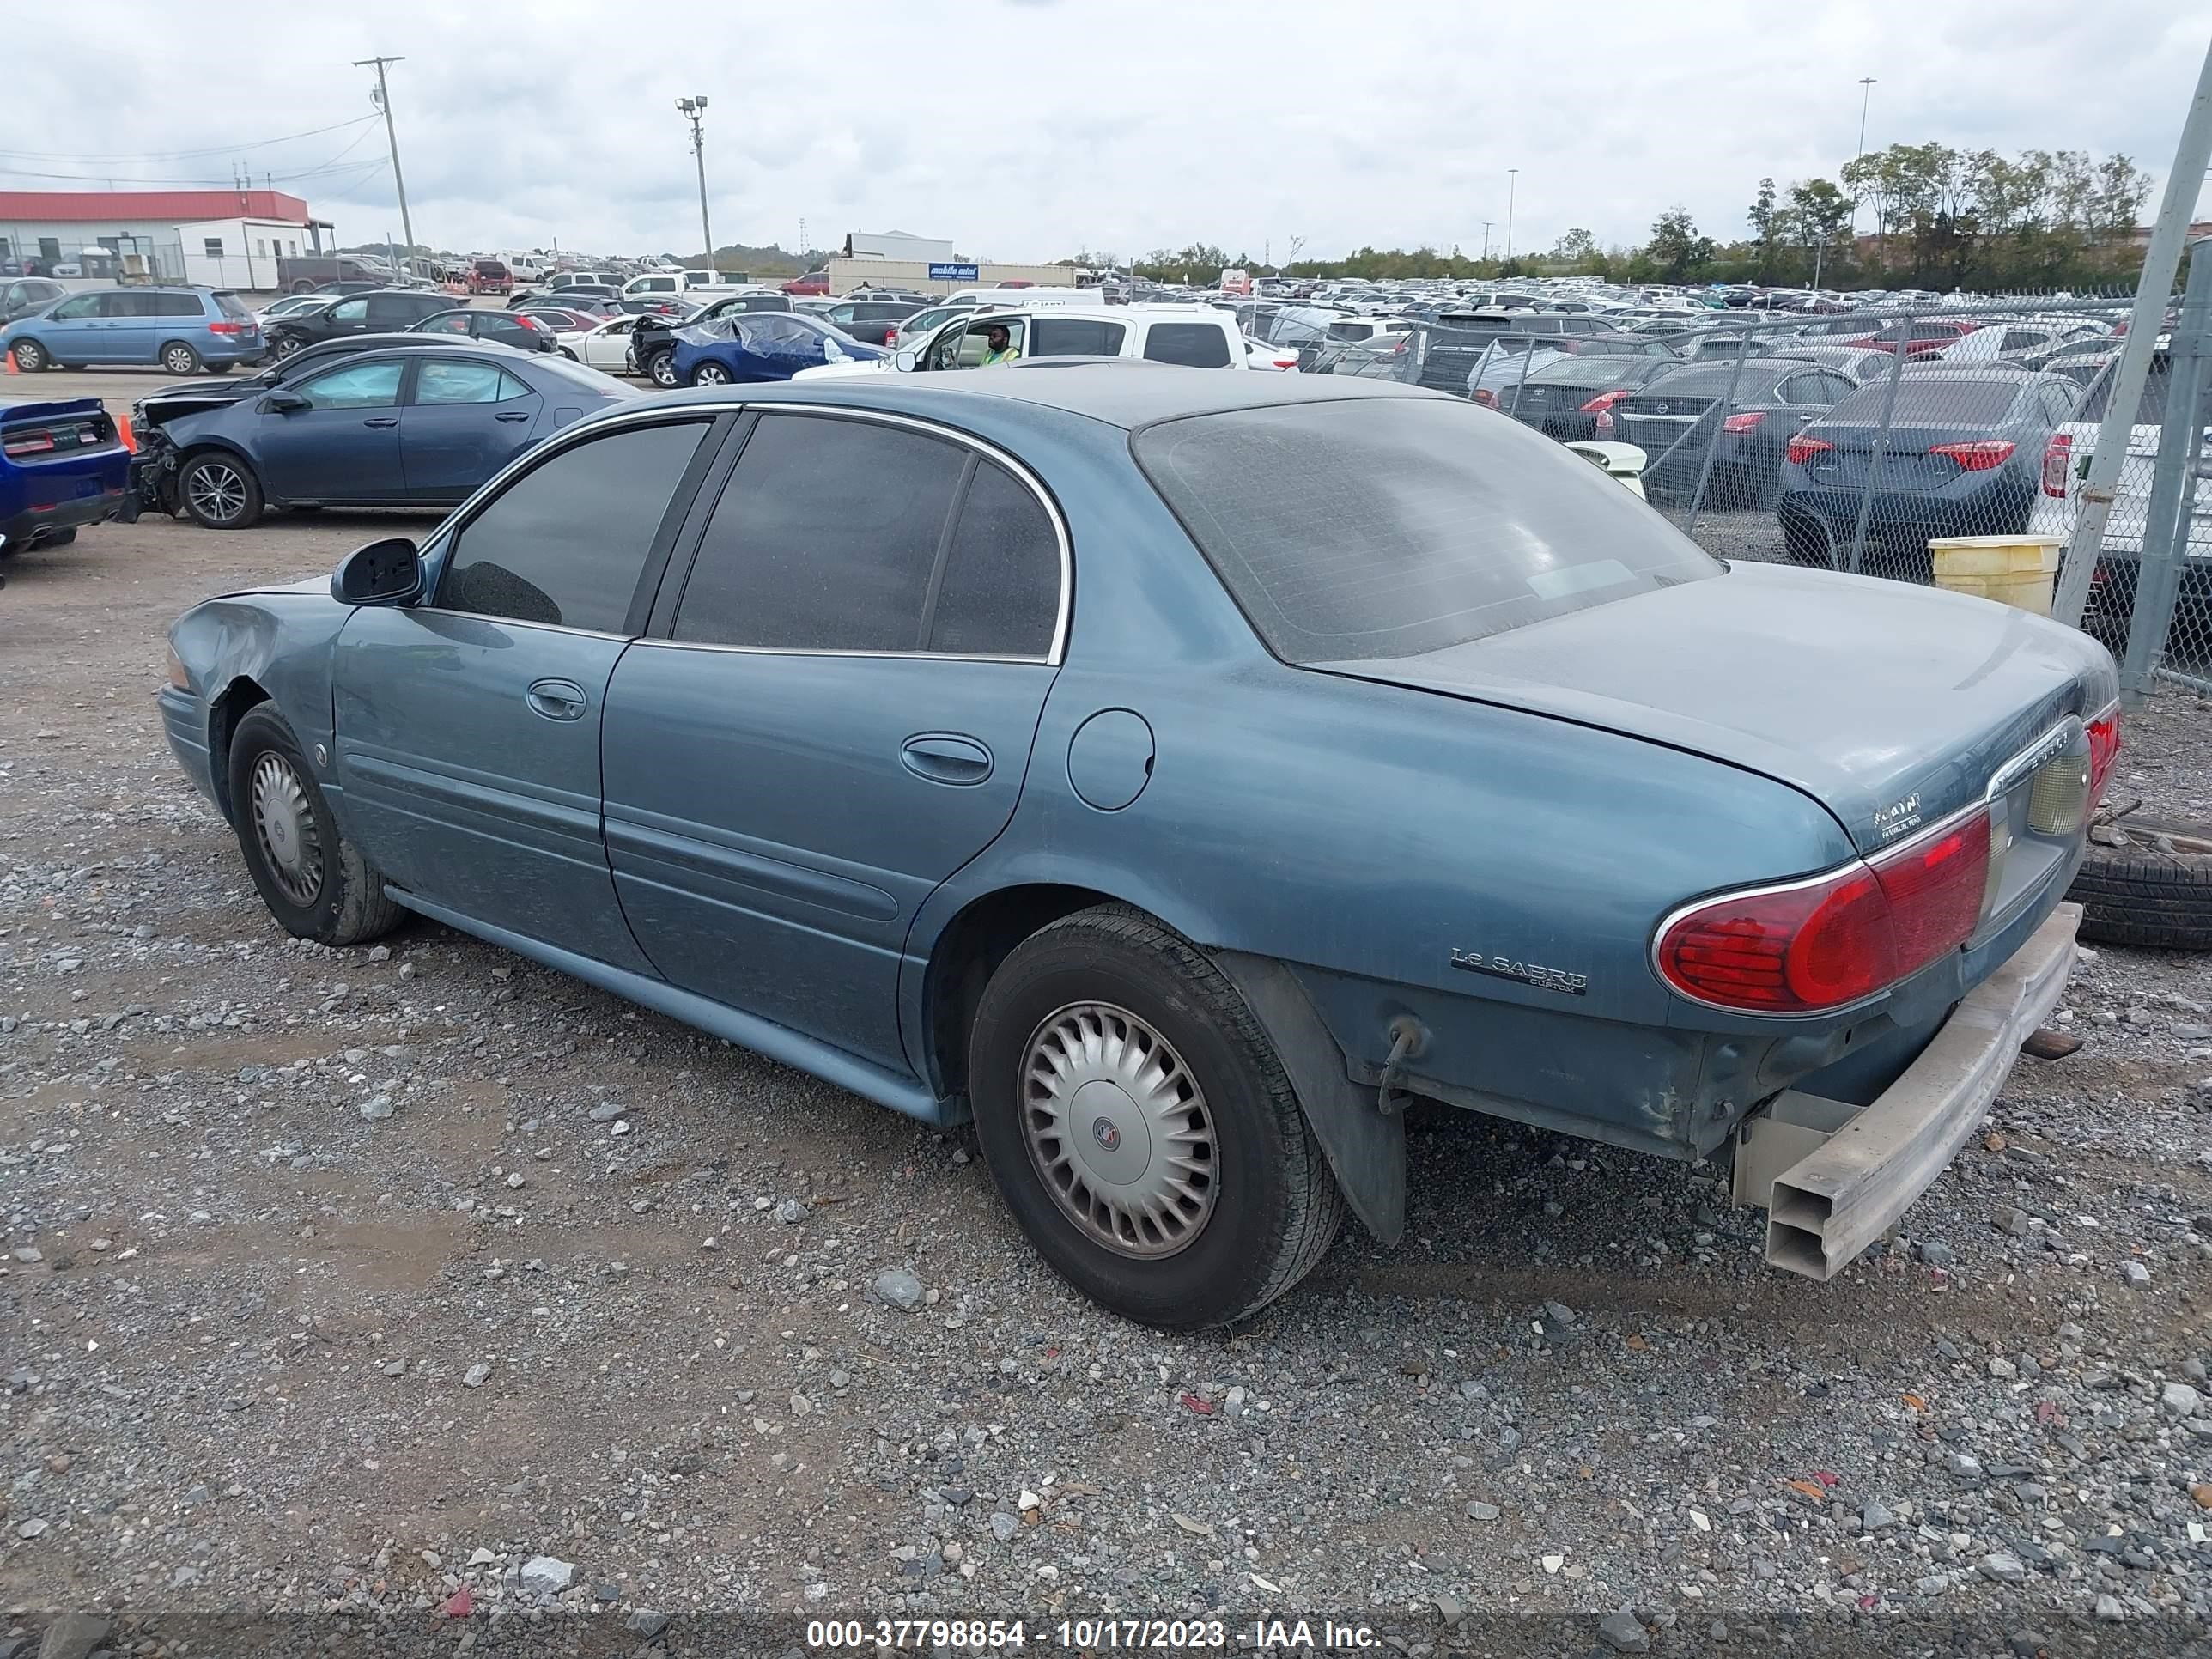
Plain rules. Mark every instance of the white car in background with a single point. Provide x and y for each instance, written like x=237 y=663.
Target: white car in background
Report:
x=2066 y=460
x=293 y=305
x=605 y=345
x=1996 y=339
x=1193 y=336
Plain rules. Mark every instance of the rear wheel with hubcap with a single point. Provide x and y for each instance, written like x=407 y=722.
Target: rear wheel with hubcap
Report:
x=710 y=374
x=1140 y=1126
x=314 y=881
x=178 y=358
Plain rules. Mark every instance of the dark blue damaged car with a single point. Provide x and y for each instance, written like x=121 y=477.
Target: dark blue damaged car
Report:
x=1177 y=774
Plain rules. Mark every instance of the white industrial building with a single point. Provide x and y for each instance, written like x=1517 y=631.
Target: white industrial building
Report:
x=239 y=253
x=898 y=244
x=168 y=235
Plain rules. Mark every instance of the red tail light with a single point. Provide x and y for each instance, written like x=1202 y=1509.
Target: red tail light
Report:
x=1811 y=946
x=526 y=319
x=1803 y=449
x=2103 y=750
x=1602 y=402
x=1983 y=455
x=2057 y=459
x=1739 y=425
x=30 y=443
x=219 y=326
x=891 y=338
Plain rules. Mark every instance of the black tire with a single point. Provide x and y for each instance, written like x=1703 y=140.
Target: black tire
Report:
x=1274 y=1206
x=177 y=358
x=1805 y=544
x=302 y=285
x=347 y=905
x=2148 y=881
x=212 y=480
x=31 y=357
x=286 y=345
x=661 y=369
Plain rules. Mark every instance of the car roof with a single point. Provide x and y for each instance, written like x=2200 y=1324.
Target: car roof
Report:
x=1136 y=398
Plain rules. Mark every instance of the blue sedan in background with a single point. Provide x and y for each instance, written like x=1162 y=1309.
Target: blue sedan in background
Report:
x=422 y=427
x=744 y=347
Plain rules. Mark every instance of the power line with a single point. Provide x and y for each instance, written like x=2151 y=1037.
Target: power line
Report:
x=178 y=155
x=115 y=180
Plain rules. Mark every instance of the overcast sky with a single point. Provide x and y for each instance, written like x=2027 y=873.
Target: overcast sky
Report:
x=1024 y=129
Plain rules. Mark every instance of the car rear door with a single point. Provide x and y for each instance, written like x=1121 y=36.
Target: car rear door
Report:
x=832 y=713
x=130 y=325
x=462 y=421
x=468 y=729
x=344 y=446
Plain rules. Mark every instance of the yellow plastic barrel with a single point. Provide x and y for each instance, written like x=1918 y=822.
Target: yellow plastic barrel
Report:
x=2015 y=570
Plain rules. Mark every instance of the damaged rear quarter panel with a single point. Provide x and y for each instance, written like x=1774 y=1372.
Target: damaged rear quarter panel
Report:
x=279 y=640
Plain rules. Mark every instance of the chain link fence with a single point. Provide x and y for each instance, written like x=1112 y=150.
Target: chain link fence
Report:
x=1854 y=441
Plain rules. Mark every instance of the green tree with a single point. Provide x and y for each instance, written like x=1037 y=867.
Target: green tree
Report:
x=1815 y=214
x=1675 y=247
x=1762 y=217
x=1577 y=247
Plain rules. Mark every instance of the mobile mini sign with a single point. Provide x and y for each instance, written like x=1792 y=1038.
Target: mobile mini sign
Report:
x=955 y=273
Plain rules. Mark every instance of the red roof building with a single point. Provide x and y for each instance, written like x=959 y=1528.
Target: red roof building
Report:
x=166 y=208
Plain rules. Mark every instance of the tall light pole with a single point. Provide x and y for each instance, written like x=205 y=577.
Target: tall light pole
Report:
x=693 y=108
x=1487 y=224
x=1512 y=178
x=1867 y=84
x=398 y=178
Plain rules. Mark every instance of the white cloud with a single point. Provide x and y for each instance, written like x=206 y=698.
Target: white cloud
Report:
x=1026 y=131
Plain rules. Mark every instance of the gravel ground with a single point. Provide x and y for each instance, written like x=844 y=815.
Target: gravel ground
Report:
x=419 y=1296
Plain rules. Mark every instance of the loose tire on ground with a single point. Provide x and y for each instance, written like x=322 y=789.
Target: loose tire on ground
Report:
x=1272 y=1206
x=2148 y=881
x=314 y=881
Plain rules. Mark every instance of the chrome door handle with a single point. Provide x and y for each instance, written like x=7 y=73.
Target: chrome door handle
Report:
x=382 y=421
x=513 y=415
x=946 y=757
x=556 y=700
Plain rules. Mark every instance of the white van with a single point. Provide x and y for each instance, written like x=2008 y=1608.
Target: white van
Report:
x=1195 y=336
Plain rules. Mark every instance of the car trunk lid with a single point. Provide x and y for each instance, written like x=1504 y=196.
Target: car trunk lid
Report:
x=34 y=432
x=1851 y=691
x=1915 y=458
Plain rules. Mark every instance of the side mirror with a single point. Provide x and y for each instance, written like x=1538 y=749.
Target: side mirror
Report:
x=389 y=572
x=907 y=359
x=281 y=402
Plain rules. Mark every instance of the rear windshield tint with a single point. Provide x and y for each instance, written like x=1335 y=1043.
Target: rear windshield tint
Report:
x=1361 y=530
x=1937 y=398
x=230 y=305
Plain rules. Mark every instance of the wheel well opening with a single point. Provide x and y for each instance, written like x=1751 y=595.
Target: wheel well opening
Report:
x=241 y=695
x=970 y=952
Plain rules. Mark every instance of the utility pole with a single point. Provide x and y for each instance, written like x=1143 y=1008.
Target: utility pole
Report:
x=692 y=109
x=1487 y=224
x=1512 y=180
x=391 y=137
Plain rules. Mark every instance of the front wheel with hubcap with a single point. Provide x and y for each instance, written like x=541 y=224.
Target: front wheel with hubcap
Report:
x=661 y=371
x=220 y=492
x=178 y=358
x=1136 y=1120
x=286 y=345
x=31 y=356
x=314 y=881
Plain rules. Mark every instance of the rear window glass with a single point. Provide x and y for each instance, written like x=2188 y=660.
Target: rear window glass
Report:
x=1194 y=345
x=2150 y=407
x=1922 y=398
x=231 y=305
x=1361 y=530
x=1713 y=379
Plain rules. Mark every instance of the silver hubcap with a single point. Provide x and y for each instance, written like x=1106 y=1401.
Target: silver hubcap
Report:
x=217 y=492
x=708 y=374
x=664 y=371
x=1118 y=1128
x=284 y=826
x=180 y=361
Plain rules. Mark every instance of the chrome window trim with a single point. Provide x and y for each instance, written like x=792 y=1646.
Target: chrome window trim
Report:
x=793 y=651
x=515 y=622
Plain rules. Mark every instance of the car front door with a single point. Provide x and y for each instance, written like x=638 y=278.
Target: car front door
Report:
x=462 y=421
x=345 y=317
x=832 y=713
x=345 y=445
x=469 y=728
x=74 y=331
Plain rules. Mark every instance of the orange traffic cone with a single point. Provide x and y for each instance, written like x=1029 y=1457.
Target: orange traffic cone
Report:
x=12 y=369
x=123 y=431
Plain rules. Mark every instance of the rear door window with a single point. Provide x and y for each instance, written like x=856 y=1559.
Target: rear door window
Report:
x=441 y=380
x=357 y=386
x=998 y=595
x=1364 y=531
x=177 y=305
x=1195 y=345
x=1075 y=336
x=825 y=539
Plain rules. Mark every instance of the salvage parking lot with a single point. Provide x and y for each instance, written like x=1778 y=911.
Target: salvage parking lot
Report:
x=345 y=1279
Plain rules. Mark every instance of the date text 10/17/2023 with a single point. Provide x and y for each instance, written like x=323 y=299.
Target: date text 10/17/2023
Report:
x=1087 y=1635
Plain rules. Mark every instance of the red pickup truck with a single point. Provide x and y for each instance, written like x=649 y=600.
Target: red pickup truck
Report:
x=816 y=281
x=491 y=276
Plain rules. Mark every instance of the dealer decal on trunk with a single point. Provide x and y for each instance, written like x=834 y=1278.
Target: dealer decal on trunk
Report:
x=1894 y=819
